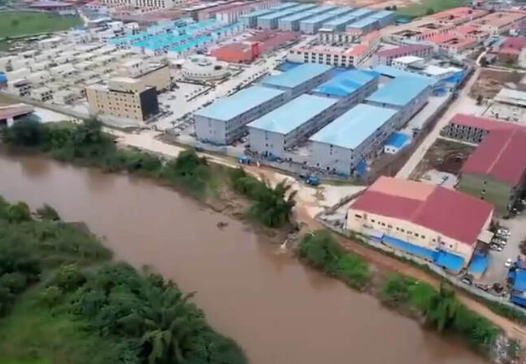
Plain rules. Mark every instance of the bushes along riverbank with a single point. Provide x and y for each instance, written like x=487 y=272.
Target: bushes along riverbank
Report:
x=440 y=308
x=62 y=300
x=86 y=144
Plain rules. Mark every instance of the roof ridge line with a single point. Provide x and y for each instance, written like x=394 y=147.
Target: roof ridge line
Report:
x=503 y=148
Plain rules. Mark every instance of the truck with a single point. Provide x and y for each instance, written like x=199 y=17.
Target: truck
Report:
x=310 y=180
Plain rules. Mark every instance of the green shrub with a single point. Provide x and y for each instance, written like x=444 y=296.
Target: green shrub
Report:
x=353 y=270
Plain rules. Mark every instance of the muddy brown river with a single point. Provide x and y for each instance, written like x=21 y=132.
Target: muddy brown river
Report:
x=279 y=311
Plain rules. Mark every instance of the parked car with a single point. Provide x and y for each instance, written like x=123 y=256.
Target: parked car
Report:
x=508 y=263
x=495 y=247
x=499 y=241
x=467 y=279
x=503 y=231
x=483 y=286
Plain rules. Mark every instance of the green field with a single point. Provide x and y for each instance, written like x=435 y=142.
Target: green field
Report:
x=18 y=23
x=427 y=7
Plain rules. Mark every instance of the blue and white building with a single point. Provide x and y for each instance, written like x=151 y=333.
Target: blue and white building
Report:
x=224 y=121
x=396 y=142
x=299 y=79
x=406 y=94
x=281 y=129
x=313 y=24
x=357 y=135
x=292 y=22
x=349 y=88
x=339 y=24
x=270 y=21
x=250 y=20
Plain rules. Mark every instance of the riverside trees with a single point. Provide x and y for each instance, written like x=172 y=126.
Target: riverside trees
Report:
x=84 y=308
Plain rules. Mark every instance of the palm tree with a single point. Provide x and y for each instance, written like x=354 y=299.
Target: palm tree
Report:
x=169 y=320
x=273 y=207
x=442 y=308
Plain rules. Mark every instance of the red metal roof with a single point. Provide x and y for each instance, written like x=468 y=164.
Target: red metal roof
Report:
x=448 y=212
x=454 y=214
x=400 y=51
x=501 y=155
x=482 y=123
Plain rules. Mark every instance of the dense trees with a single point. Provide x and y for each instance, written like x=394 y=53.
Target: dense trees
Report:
x=321 y=251
x=441 y=309
x=272 y=206
x=137 y=317
x=87 y=144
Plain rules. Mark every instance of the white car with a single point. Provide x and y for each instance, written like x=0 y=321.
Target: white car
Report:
x=504 y=232
x=508 y=263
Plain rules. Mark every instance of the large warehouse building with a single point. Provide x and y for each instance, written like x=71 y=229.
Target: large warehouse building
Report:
x=250 y=20
x=313 y=24
x=341 y=22
x=416 y=218
x=299 y=79
x=407 y=94
x=270 y=21
x=496 y=170
x=292 y=22
x=224 y=121
x=284 y=127
x=349 y=87
x=356 y=135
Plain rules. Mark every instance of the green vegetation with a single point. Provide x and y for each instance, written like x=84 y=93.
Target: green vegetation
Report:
x=426 y=7
x=272 y=207
x=323 y=252
x=441 y=309
x=86 y=144
x=17 y=23
x=63 y=301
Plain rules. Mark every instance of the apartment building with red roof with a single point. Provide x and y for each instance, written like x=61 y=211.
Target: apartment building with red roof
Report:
x=473 y=129
x=417 y=218
x=386 y=56
x=496 y=170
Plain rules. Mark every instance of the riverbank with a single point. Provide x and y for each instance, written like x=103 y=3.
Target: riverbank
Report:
x=142 y=160
x=64 y=300
x=437 y=309
x=252 y=290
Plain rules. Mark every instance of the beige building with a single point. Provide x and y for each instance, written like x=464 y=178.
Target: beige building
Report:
x=148 y=74
x=416 y=218
x=123 y=98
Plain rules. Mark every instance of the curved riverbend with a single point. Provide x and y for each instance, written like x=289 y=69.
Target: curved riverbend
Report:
x=278 y=310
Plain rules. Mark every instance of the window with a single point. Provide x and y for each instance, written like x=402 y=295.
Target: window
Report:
x=402 y=230
x=372 y=220
x=416 y=234
x=383 y=223
x=397 y=229
x=423 y=236
x=390 y=226
x=409 y=233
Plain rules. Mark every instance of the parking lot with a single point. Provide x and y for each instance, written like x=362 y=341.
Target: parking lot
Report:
x=497 y=271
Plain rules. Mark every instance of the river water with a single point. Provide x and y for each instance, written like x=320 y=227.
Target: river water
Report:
x=278 y=310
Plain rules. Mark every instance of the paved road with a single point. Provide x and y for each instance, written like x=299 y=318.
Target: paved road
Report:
x=463 y=104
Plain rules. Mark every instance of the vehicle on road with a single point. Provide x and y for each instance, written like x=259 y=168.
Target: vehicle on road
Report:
x=503 y=231
x=508 y=263
x=467 y=279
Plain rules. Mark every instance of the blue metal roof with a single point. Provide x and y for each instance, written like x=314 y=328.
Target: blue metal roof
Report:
x=346 y=82
x=397 y=140
x=297 y=75
x=449 y=260
x=343 y=20
x=308 y=13
x=354 y=127
x=479 y=263
x=363 y=22
x=239 y=103
x=408 y=247
x=293 y=114
x=382 y=14
x=274 y=9
x=286 y=12
x=400 y=91
x=520 y=280
x=329 y=15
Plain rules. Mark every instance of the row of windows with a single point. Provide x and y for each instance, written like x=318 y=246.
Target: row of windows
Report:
x=389 y=226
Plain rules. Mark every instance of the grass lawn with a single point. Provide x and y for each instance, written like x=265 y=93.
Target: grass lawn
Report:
x=34 y=334
x=16 y=23
x=427 y=7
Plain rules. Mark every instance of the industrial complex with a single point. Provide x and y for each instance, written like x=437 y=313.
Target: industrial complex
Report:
x=423 y=121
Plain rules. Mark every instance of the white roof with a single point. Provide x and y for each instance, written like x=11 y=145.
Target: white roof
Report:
x=408 y=59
